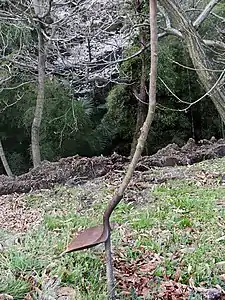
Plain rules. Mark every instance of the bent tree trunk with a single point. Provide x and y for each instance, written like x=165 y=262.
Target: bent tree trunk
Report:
x=4 y=161
x=139 y=148
x=35 y=130
x=198 y=54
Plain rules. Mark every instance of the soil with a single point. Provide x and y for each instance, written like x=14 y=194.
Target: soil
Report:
x=77 y=170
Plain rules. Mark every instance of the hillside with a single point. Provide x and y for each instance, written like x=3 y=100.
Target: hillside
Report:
x=168 y=237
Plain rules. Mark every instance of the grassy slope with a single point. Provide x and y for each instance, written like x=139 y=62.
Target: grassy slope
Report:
x=180 y=220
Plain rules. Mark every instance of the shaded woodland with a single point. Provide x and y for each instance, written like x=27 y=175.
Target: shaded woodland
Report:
x=74 y=81
x=103 y=101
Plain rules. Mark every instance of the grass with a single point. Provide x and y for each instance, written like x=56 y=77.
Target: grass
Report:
x=182 y=222
x=16 y=287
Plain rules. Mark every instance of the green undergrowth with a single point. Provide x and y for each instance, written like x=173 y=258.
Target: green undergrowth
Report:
x=181 y=221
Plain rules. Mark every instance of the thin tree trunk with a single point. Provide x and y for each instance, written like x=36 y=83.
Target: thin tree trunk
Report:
x=4 y=161
x=198 y=53
x=109 y=269
x=35 y=130
x=139 y=148
x=141 y=115
x=141 y=96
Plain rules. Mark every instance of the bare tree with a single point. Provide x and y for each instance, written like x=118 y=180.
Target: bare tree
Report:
x=35 y=130
x=31 y=16
x=83 y=43
x=200 y=49
x=71 y=39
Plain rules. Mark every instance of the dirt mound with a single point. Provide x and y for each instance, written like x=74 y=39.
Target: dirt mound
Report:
x=70 y=170
x=76 y=170
x=189 y=154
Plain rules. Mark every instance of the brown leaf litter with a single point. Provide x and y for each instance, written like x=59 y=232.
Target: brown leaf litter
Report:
x=16 y=216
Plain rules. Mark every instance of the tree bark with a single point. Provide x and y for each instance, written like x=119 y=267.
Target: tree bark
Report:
x=198 y=53
x=141 y=115
x=35 y=130
x=4 y=161
x=141 y=107
x=139 y=148
x=205 y=13
x=109 y=268
x=141 y=96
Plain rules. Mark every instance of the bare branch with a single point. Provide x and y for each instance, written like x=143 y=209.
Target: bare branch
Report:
x=165 y=15
x=176 y=32
x=174 y=95
x=219 y=80
x=173 y=31
x=211 y=13
x=217 y=44
x=11 y=104
x=194 y=69
x=17 y=86
x=204 y=14
x=4 y=161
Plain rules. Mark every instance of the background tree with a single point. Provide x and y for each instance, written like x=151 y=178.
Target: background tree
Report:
x=40 y=14
x=205 y=59
x=53 y=24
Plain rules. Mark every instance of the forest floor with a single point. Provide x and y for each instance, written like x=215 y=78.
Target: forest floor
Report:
x=168 y=240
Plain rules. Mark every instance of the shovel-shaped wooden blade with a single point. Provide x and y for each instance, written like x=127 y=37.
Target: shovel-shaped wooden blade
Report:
x=87 y=238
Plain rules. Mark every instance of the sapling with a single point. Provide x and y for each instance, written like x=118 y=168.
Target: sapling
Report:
x=102 y=233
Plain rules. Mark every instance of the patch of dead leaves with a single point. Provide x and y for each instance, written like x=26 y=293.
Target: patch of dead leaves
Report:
x=16 y=216
x=172 y=290
x=135 y=273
